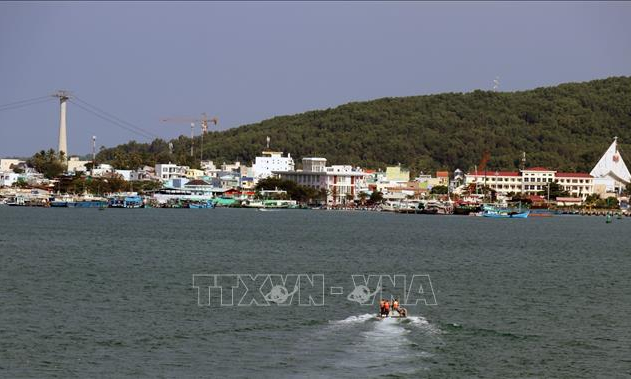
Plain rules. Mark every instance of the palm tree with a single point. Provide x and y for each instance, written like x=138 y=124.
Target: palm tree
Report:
x=362 y=197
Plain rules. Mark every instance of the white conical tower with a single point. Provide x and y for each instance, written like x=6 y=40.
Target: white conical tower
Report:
x=63 y=142
x=612 y=165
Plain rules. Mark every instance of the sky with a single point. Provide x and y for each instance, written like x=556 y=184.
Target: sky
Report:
x=245 y=62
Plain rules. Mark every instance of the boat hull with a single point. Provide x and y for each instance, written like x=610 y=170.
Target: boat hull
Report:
x=506 y=215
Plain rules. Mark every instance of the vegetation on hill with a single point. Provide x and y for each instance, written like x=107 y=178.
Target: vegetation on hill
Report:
x=566 y=127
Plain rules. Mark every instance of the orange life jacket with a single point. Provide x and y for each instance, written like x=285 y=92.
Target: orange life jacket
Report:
x=395 y=305
x=387 y=305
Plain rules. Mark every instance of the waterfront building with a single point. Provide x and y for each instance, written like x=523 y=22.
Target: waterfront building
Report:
x=577 y=184
x=166 y=171
x=532 y=181
x=536 y=180
x=271 y=161
x=340 y=181
x=611 y=173
x=8 y=178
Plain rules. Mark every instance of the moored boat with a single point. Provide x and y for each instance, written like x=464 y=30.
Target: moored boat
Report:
x=505 y=213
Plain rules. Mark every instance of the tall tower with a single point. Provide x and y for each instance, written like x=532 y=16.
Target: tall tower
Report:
x=93 y=153
x=63 y=142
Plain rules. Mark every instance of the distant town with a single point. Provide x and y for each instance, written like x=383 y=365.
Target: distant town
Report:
x=264 y=184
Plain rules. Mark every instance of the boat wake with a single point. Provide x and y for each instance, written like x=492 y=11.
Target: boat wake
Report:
x=412 y=321
x=364 y=345
x=354 y=319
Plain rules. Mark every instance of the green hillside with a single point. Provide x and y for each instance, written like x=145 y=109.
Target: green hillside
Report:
x=565 y=127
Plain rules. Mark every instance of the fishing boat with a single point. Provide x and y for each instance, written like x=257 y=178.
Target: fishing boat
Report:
x=125 y=201
x=466 y=208
x=505 y=213
x=200 y=205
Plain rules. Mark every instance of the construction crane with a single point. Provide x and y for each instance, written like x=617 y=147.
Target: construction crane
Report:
x=203 y=122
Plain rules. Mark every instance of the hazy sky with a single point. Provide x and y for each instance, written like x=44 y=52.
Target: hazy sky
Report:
x=245 y=62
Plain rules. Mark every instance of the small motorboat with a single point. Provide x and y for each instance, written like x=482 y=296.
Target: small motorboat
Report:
x=394 y=314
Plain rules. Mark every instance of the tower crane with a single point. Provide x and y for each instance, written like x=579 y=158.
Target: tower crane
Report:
x=203 y=122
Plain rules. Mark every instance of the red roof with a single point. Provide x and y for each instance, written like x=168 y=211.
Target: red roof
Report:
x=537 y=169
x=490 y=173
x=442 y=174
x=572 y=175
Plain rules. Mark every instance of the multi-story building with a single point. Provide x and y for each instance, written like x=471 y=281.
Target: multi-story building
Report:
x=533 y=181
x=167 y=171
x=142 y=174
x=577 y=184
x=340 y=181
x=271 y=161
x=501 y=181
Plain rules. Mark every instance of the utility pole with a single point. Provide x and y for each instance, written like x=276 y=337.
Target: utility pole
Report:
x=523 y=167
x=476 y=180
x=192 y=135
x=549 y=183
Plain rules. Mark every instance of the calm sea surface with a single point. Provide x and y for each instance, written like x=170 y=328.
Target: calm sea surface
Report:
x=88 y=293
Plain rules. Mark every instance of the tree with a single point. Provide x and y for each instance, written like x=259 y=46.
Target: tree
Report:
x=20 y=183
x=565 y=127
x=48 y=163
x=362 y=197
x=556 y=191
x=439 y=190
x=376 y=197
x=592 y=199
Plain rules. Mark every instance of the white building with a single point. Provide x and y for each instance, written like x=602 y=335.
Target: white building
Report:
x=102 y=169
x=125 y=174
x=577 y=184
x=144 y=173
x=7 y=178
x=610 y=173
x=167 y=171
x=271 y=161
x=533 y=181
x=76 y=165
x=7 y=164
x=338 y=180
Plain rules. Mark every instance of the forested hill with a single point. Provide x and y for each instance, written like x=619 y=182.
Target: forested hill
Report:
x=566 y=127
